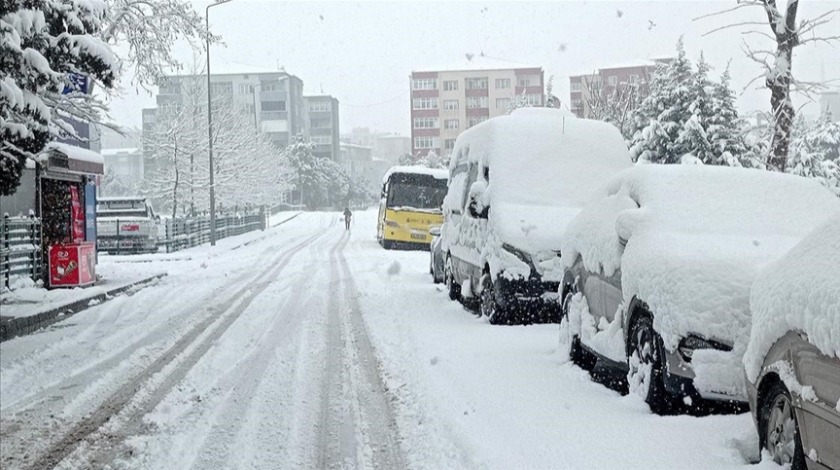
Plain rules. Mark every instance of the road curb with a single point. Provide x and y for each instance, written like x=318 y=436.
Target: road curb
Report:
x=27 y=325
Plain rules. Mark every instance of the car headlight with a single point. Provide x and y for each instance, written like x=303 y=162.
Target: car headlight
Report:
x=523 y=256
x=691 y=343
x=391 y=223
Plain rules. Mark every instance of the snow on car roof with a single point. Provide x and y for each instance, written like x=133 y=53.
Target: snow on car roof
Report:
x=690 y=239
x=438 y=173
x=799 y=292
x=543 y=156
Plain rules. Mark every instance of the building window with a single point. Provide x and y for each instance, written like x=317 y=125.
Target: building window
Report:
x=320 y=106
x=450 y=85
x=320 y=123
x=424 y=84
x=221 y=88
x=450 y=124
x=321 y=139
x=502 y=83
x=425 y=103
x=450 y=105
x=476 y=83
x=612 y=80
x=426 y=142
x=502 y=103
x=449 y=144
x=634 y=79
x=576 y=104
x=474 y=102
x=528 y=80
x=245 y=89
x=426 y=123
x=577 y=86
x=475 y=120
x=273 y=105
x=534 y=99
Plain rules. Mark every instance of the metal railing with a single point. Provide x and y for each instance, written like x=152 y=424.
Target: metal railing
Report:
x=20 y=254
x=188 y=232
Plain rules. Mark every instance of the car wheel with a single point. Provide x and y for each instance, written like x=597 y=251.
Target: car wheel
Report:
x=645 y=376
x=577 y=354
x=449 y=277
x=778 y=428
x=487 y=302
x=387 y=244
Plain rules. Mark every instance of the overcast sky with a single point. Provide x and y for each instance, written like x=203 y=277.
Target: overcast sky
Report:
x=362 y=53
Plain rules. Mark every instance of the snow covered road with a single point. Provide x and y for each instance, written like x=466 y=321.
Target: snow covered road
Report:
x=309 y=347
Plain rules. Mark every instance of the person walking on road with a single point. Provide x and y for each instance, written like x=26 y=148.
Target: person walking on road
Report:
x=347 y=216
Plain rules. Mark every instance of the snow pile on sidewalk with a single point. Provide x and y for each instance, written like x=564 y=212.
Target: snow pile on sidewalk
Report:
x=799 y=292
x=694 y=238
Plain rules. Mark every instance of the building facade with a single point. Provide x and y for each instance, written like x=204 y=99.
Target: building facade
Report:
x=610 y=82
x=445 y=103
x=386 y=146
x=323 y=125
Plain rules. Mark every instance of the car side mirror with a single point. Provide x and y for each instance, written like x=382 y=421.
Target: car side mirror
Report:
x=476 y=207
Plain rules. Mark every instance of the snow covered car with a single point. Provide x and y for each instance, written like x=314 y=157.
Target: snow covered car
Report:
x=436 y=256
x=659 y=268
x=792 y=363
x=126 y=225
x=515 y=182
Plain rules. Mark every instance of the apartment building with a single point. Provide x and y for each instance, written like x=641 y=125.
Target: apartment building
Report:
x=445 y=103
x=608 y=81
x=385 y=145
x=322 y=124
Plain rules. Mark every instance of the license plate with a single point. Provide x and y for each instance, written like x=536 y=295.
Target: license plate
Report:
x=418 y=236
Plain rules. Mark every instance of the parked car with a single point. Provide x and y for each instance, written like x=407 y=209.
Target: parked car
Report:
x=792 y=362
x=126 y=225
x=436 y=256
x=659 y=268
x=515 y=181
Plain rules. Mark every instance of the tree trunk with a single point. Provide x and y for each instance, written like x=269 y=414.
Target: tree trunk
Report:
x=783 y=111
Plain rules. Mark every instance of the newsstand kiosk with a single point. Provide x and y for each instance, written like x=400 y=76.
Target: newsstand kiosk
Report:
x=67 y=201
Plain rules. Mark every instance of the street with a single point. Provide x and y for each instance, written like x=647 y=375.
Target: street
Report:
x=312 y=347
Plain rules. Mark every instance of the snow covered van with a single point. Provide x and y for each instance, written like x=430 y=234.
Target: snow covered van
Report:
x=515 y=182
x=126 y=225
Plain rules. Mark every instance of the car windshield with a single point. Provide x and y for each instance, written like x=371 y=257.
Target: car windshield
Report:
x=217 y=247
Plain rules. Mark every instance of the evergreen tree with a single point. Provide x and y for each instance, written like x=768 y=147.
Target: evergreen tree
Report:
x=693 y=139
x=724 y=127
x=815 y=152
x=43 y=41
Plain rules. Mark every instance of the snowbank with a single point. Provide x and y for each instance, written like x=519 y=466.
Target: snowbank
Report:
x=689 y=240
x=544 y=165
x=799 y=292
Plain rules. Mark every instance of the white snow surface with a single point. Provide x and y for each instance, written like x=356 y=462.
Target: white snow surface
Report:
x=464 y=394
x=696 y=237
x=75 y=153
x=544 y=166
x=437 y=173
x=800 y=292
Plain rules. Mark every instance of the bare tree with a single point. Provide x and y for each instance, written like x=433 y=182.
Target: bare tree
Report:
x=778 y=77
x=614 y=104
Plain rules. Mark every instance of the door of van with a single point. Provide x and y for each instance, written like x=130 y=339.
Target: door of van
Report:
x=473 y=233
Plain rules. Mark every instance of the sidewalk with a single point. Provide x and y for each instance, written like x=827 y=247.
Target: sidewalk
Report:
x=28 y=309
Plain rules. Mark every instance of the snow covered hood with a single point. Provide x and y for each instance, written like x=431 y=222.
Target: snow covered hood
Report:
x=544 y=165
x=690 y=239
x=801 y=292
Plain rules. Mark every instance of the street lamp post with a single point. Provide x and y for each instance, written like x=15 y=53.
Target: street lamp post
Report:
x=210 y=128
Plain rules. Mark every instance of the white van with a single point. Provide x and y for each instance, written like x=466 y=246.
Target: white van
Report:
x=515 y=182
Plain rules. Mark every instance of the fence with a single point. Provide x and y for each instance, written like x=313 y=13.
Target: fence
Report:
x=193 y=231
x=20 y=254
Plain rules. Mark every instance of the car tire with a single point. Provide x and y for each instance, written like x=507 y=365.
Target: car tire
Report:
x=448 y=276
x=645 y=363
x=387 y=244
x=778 y=427
x=488 y=306
x=579 y=356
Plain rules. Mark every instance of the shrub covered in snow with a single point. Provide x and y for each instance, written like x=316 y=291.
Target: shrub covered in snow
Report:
x=800 y=292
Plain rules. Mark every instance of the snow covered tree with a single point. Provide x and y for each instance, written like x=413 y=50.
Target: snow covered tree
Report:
x=43 y=42
x=724 y=127
x=615 y=105
x=433 y=160
x=520 y=101
x=815 y=152
x=777 y=65
x=300 y=156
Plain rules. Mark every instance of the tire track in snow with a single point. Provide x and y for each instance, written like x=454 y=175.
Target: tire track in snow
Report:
x=173 y=358
x=357 y=425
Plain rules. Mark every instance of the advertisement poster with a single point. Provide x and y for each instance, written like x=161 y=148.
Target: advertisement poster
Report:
x=72 y=265
x=77 y=216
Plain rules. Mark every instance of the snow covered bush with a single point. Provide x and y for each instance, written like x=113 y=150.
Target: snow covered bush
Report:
x=42 y=43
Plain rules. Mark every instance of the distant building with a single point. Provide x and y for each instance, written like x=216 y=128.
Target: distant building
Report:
x=607 y=81
x=830 y=101
x=446 y=102
x=385 y=146
x=111 y=139
x=323 y=125
x=355 y=158
x=124 y=164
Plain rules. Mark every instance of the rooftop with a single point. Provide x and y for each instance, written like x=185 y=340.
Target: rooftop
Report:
x=478 y=62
